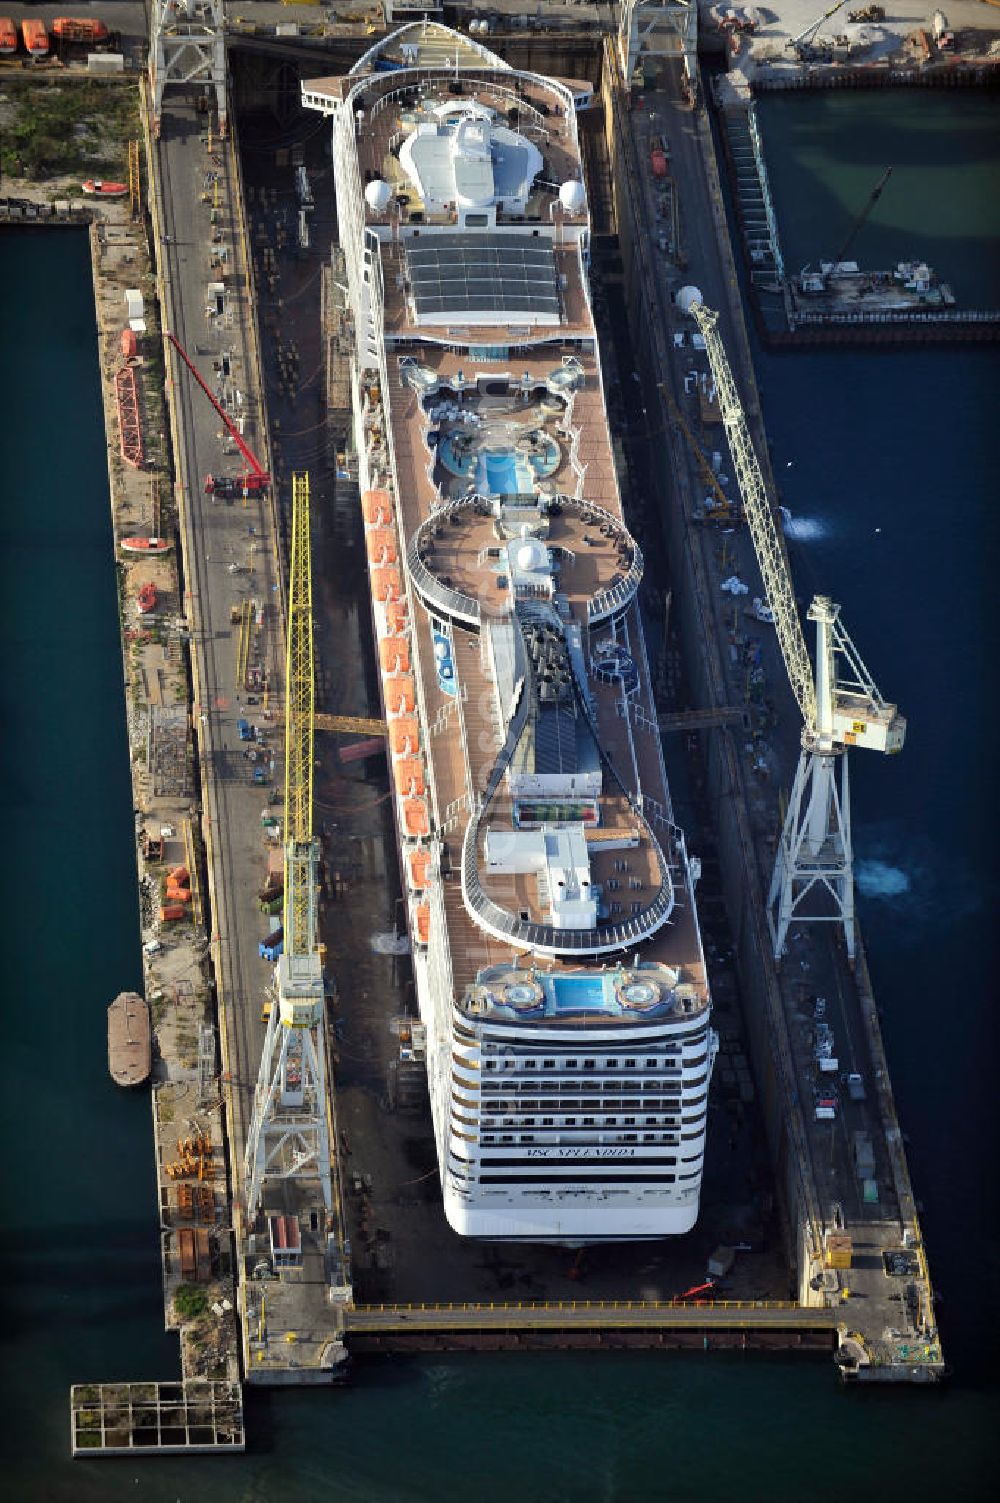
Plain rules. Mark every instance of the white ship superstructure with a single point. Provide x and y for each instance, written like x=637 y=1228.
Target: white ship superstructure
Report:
x=558 y=961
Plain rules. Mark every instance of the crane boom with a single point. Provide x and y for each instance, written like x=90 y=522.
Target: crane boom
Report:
x=257 y=477
x=760 y=517
x=723 y=506
x=813 y=878
x=870 y=203
x=289 y=1136
x=807 y=34
x=300 y=853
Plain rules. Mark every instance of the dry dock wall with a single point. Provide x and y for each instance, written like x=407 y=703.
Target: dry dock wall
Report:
x=741 y=875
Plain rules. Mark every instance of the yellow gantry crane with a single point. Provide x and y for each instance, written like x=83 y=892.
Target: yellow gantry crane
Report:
x=289 y=1133
x=300 y=712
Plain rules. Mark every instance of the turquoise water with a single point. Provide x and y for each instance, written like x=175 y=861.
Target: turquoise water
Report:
x=502 y=475
x=581 y=994
x=906 y=443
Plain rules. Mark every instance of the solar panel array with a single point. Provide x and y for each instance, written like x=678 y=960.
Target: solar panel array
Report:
x=483 y=273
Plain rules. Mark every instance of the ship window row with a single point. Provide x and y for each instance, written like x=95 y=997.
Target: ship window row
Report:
x=574 y=1179
x=506 y=1090
x=603 y=1105
x=663 y=1079
x=521 y=1091
x=549 y=1140
x=590 y=1062
x=579 y=1163
x=597 y=1120
x=519 y=1047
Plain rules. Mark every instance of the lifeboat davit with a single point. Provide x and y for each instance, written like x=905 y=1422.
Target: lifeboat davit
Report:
x=394 y=655
x=376 y=508
x=409 y=775
x=399 y=695
x=404 y=736
x=381 y=545
x=415 y=819
x=386 y=583
x=396 y=617
x=422 y=923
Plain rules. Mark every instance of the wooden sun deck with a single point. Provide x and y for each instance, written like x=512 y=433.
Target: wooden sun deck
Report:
x=459 y=766
x=409 y=422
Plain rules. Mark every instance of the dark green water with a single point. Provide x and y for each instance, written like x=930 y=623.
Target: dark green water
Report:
x=906 y=443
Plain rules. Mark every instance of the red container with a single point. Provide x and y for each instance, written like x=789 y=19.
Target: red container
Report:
x=170 y=912
x=130 y=344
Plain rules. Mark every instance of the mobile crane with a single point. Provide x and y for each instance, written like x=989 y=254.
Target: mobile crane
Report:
x=840 y=706
x=256 y=478
x=802 y=43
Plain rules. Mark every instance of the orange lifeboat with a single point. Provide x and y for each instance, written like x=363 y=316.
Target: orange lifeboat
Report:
x=394 y=654
x=36 y=38
x=415 y=818
x=376 y=508
x=422 y=923
x=8 y=36
x=396 y=617
x=386 y=583
x=420 y=869
x=146 y=598
x=79 y=29
x=404 y=736
x=381 y=545
x=399 y=696
x=409 y=775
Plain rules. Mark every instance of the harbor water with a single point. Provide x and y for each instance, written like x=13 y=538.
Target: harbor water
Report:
x=887 y=463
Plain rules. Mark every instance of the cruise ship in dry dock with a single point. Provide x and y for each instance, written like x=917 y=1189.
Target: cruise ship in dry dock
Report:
x=558 y=959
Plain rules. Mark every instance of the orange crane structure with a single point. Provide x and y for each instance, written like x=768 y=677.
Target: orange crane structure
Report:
x=256 y=477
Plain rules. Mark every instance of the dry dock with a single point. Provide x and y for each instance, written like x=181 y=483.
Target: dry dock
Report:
x=860 y=1282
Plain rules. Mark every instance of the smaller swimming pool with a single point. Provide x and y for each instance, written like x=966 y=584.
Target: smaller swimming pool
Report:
x=456 y=458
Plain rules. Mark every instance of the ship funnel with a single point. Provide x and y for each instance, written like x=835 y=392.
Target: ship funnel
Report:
x=688 y=298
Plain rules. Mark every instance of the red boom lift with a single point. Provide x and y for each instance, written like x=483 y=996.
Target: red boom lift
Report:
x=256 y=477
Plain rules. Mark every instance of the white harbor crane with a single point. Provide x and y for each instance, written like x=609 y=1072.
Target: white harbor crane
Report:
x=289 y=1137
x=840 y=706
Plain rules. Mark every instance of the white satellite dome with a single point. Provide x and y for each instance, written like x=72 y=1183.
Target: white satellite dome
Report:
x=531 y=556
x=573 y=197
x=378 y=195
x=687 y=298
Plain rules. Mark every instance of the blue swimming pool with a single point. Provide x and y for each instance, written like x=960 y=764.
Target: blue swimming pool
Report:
x=581 y=994
x=503 y=474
